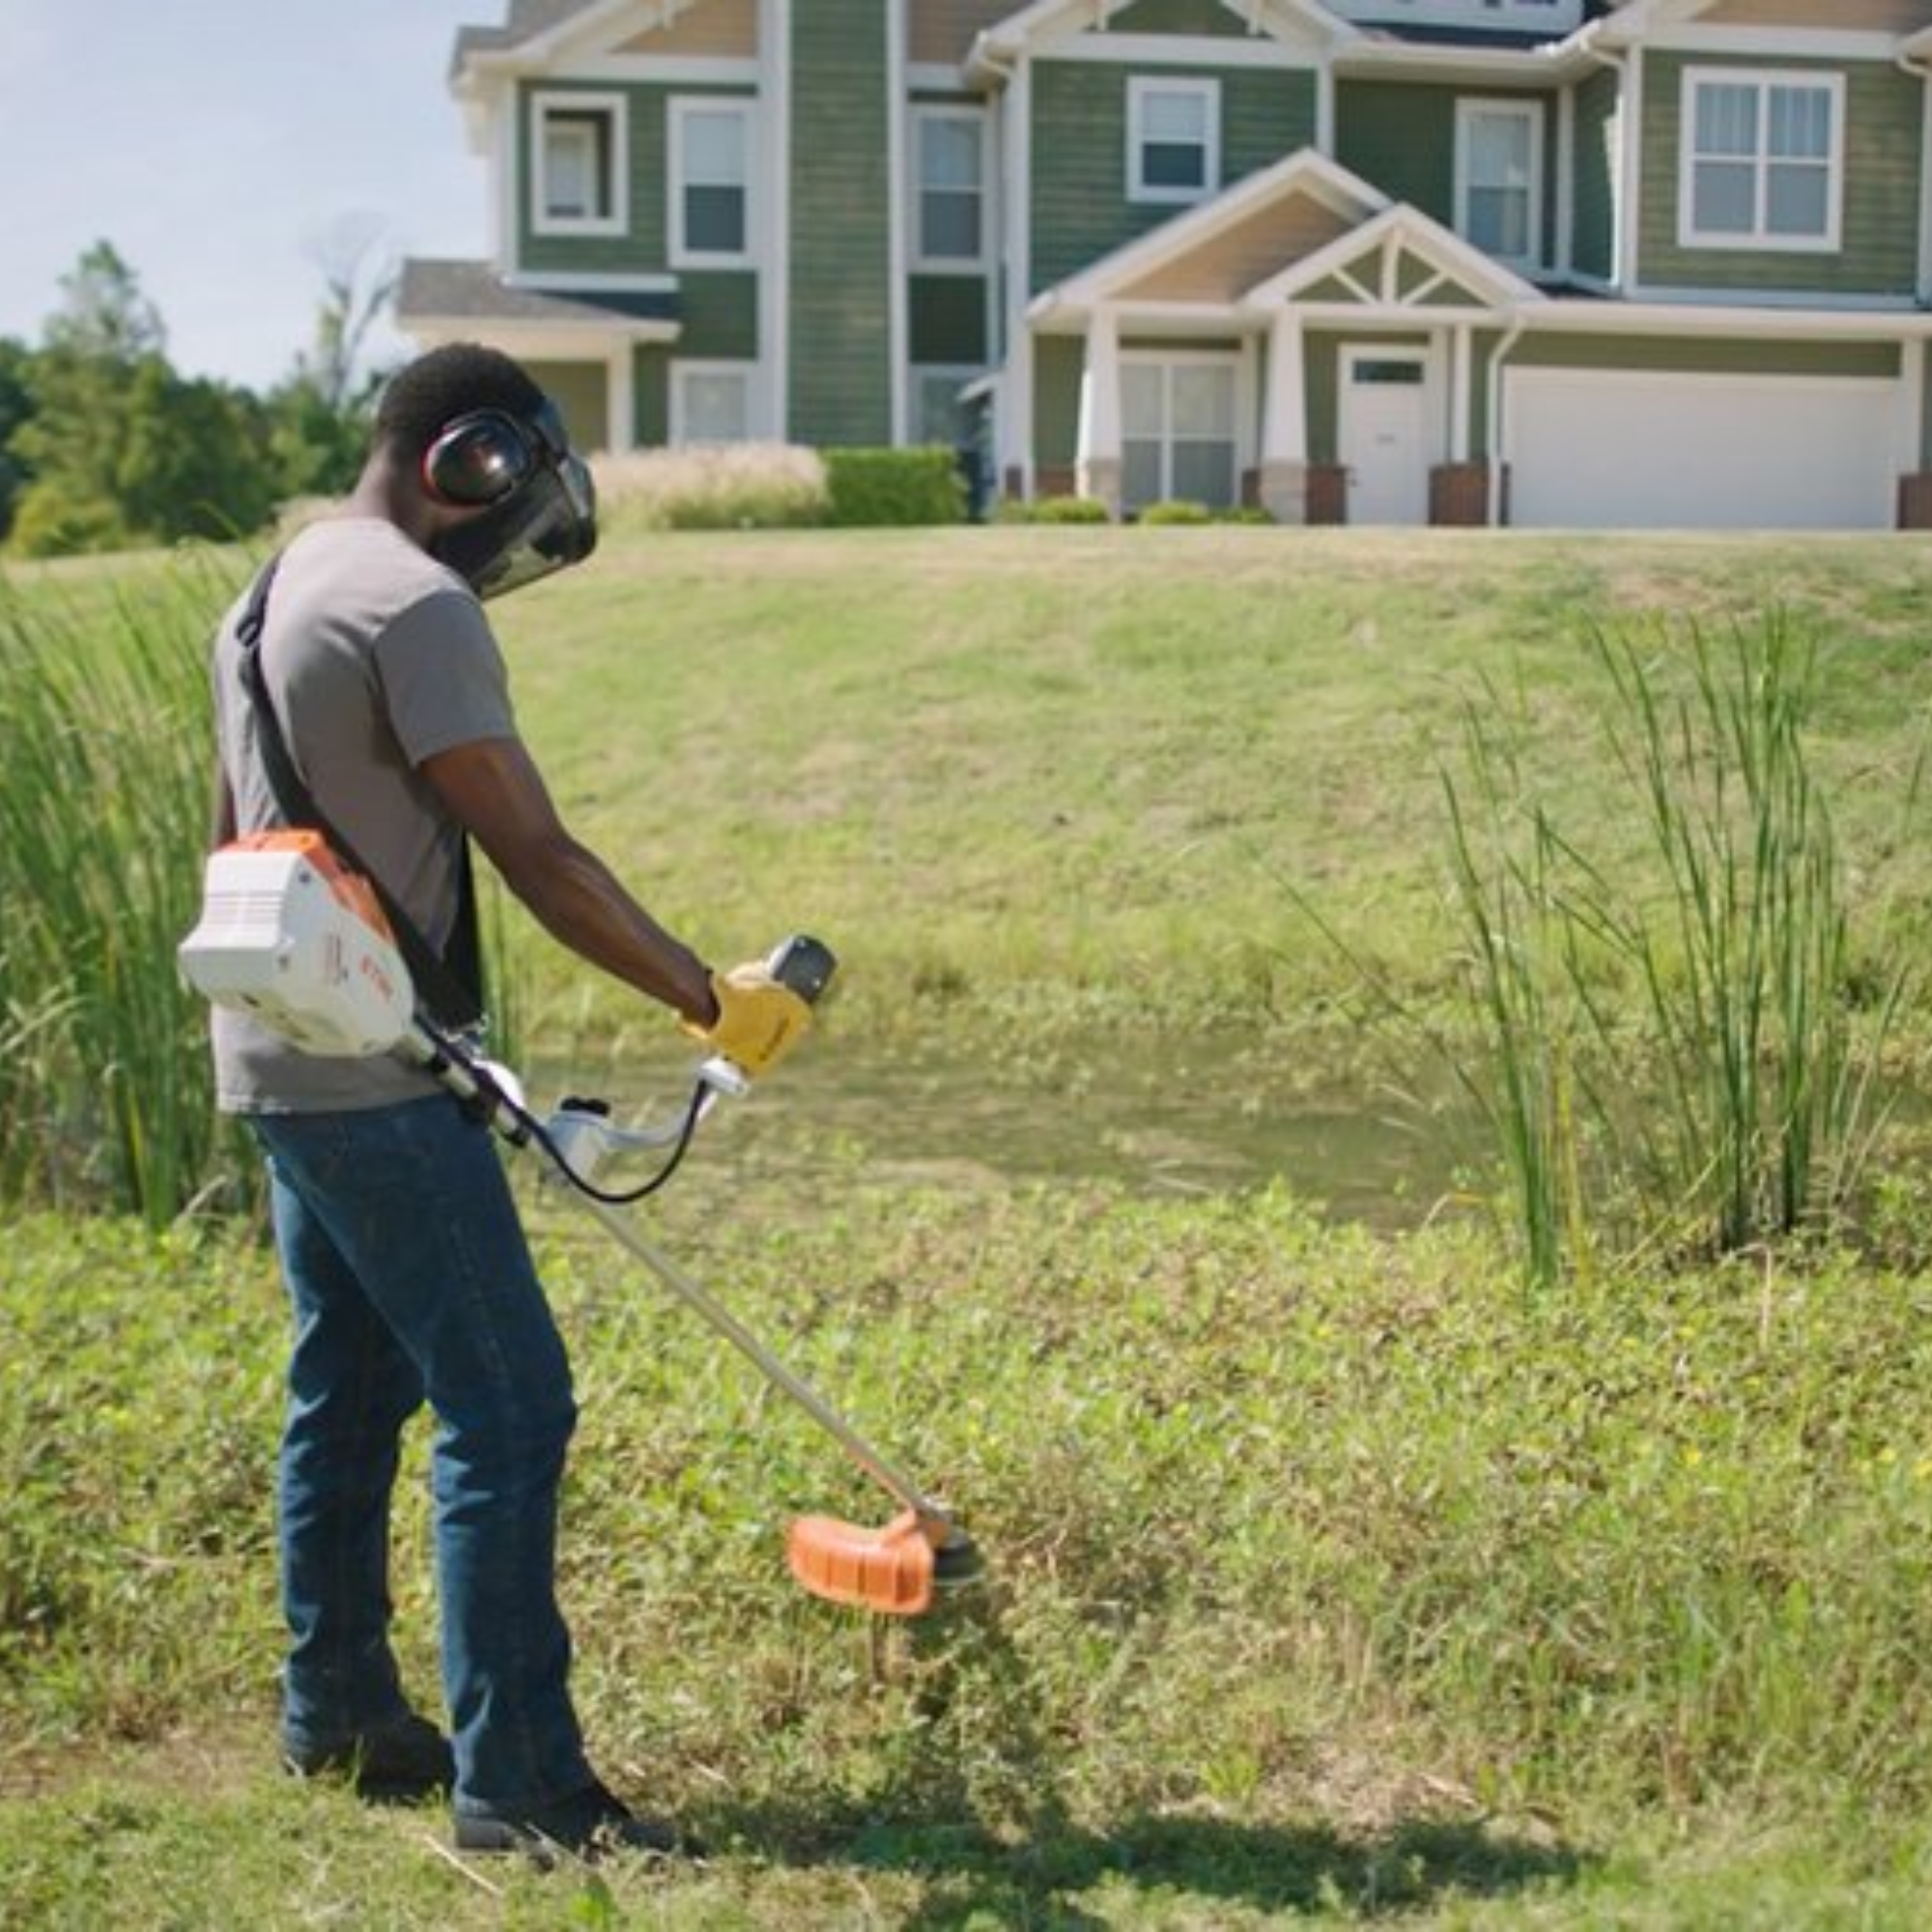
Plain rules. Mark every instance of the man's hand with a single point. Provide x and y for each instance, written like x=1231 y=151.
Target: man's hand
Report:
x=758 y=1022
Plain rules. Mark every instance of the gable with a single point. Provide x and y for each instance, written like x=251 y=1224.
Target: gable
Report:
x=942 y=32
x=1303 y=23
x=1399 y=260
x=718 y=28
x=1215 y=252
x=1228 y=265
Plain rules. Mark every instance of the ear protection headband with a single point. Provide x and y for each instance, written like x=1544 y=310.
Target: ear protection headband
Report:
x=487 y=455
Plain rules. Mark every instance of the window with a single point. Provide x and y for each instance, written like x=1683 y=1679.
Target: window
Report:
x=950 y=160
x=711 y=402
x=937 y=414
x=1763 y=159
x=579 y=183
x=1177 y=432
x=1499 y=178
x=1174 y=139
x=711 y=174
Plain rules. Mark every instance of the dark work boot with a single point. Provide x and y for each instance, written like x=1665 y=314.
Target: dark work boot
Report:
x=402 y=1760
x=590 y=1825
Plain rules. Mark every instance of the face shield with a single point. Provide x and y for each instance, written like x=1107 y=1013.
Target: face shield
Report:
x=542 y=506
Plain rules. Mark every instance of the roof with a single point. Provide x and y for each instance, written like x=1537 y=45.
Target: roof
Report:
x=526 y=19
x=448 y=291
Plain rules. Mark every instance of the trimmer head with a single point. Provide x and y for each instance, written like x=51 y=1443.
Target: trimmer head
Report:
x=895 y=1570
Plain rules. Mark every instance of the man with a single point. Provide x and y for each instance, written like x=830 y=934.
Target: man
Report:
x=380 y=698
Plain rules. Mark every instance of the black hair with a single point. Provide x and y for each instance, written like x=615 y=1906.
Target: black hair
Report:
x=425 y=396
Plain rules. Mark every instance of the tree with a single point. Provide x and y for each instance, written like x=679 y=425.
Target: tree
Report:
x=104 y=315
x=197 y=461
x=321 y=414
x=124 y=451
x=17 y=409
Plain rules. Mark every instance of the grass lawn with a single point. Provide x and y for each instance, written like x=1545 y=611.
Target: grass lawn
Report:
x=1334 y=1577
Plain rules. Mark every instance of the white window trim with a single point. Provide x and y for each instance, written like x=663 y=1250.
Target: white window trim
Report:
x=1240 y=437
x=1139 y=87
x=681 y=106
x=616 y=108
x=957 y=264
x=1496 y=106
x=682 y=372
x=1689 y=235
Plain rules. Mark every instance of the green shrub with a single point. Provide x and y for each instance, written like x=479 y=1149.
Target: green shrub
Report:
x=870 y=488
x=1056 y=510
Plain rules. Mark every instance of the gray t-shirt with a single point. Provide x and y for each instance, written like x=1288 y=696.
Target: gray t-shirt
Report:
x=376 y=658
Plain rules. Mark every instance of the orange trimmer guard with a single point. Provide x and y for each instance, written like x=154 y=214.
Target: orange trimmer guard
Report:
x=889 y=1570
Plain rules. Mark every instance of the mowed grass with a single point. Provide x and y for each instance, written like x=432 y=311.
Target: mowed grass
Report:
x=1033 y=768
x=1333 y=1576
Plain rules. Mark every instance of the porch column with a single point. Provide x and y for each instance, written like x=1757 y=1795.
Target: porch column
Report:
x=1097 y=459
x=1283 y=479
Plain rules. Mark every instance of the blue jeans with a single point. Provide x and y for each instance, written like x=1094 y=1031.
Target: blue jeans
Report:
x=411 y=1279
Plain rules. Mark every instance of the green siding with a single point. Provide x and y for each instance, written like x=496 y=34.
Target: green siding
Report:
x=1879 y=241
x=1701 y=357
x=1401 y=138
x=1594 y=157
x=841 y=373
x=948 y=321
x=1080 y=208
x=647 y=249
x=1058 y=364
x=719 y=309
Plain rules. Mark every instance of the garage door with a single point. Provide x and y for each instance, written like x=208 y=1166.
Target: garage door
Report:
x=1611 y=450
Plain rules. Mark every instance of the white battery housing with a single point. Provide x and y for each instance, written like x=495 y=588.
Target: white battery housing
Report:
x=290 y=936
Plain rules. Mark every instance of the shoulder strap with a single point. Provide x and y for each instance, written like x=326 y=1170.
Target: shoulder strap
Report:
x=451 y=984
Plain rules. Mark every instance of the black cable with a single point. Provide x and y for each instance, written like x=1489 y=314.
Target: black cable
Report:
x=490 y=1099
x=623 y=1197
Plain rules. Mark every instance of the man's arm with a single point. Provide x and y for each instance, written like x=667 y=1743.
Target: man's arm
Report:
x=493 y=788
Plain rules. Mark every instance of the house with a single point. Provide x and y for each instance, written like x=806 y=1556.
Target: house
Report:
x=1549 y=263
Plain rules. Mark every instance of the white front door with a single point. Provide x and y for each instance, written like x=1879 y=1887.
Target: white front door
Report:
x=1384 y=434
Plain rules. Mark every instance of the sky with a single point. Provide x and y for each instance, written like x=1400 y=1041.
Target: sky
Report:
x=226 y=148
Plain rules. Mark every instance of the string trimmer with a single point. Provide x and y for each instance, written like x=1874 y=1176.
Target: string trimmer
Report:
x=291 y=936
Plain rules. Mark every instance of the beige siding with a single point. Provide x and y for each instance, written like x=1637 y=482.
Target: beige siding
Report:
x=716 y=27
x=943 y=30
x=1844 y=16
x=1252 y=250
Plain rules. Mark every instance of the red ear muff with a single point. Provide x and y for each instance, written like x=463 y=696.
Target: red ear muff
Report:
x=479 y=458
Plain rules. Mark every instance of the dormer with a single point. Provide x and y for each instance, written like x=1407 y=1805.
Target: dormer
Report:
x=1540 y=19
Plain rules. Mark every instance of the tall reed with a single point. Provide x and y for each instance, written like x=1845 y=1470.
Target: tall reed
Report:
x=1669 y=1034
x=104 y=1086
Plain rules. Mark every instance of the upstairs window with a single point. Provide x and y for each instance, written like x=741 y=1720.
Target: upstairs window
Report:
x=711 y=183
x=581 y=179
x=949 y=157
x=1763 y=159
x=1499 y=178
x=1174 y=139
